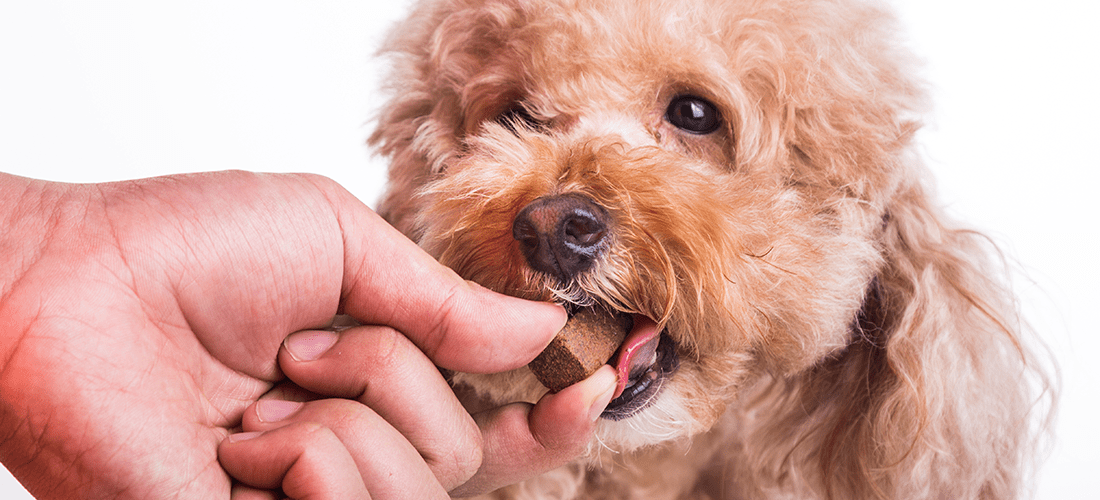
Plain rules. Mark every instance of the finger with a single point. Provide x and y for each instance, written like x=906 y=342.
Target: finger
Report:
x=244 y=492
x=388 y=280
x=305 y=461
x=522 y=441
x=384 y=370
x=389 y=465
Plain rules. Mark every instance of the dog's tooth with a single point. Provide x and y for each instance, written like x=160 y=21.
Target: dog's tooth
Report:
x=645 y=357
x=638 y=348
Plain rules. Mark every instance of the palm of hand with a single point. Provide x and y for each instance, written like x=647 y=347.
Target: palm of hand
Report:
x=171 y=345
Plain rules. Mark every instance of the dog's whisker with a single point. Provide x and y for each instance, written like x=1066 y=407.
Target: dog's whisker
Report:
x=604 y=446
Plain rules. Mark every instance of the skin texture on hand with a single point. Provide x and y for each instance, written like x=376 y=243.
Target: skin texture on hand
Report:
x=143 y=320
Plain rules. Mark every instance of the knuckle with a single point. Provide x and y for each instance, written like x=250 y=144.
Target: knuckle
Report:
x=337 y=416
x=305 y=435
x=463 y=459
x=442 y=322
x=471 y=441
x=389 y=354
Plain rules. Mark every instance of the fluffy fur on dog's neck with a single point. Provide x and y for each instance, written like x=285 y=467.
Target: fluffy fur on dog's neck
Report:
x=841 y=338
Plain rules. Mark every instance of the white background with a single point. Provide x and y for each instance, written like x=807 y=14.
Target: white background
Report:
x=105 y=90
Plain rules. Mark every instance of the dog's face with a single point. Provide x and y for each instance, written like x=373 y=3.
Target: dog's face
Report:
x=721 y=168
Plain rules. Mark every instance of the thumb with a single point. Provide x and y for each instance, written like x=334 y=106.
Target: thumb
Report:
x=390 y=281
x=522 y=441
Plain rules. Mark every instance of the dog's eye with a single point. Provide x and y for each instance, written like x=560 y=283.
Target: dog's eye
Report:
x=518 y=116
x=693 y=114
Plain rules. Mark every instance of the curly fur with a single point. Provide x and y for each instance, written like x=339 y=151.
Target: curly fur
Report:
x=840 y=337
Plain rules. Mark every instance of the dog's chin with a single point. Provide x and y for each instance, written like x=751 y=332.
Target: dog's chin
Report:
x=665 y=418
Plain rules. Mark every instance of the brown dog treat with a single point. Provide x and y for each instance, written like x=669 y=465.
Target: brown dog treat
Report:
x=588 y=340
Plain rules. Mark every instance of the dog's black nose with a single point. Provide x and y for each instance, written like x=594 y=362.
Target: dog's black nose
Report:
x=561 y=235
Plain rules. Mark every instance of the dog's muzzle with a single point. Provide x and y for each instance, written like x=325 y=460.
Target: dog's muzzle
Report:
x=561 y=236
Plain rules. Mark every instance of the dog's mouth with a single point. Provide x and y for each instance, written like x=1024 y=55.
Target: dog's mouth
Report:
x=644 y=361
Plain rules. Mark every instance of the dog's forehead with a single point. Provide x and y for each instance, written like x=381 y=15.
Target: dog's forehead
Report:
x=789 y=79
x=609 y=51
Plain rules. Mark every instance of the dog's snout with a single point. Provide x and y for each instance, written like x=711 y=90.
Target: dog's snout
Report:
x=561 y=235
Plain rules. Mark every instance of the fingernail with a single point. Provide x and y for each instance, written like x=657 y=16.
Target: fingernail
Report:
x=310 y=344
x=560 y=318
x=274 y=410
x=243 y=436
x=562 y=315
x=603 y=385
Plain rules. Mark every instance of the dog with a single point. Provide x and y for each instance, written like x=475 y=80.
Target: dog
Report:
x=743 y=174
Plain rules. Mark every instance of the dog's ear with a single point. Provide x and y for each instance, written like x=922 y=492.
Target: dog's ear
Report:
x=937 y=381
x=438 y=93
x=415 y=128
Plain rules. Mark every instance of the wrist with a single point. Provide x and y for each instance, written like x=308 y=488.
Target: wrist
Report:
x=32 y=212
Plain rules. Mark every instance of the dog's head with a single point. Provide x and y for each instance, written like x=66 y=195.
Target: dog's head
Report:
x=724 y=169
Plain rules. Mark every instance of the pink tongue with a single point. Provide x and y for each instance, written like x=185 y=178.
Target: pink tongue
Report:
x=638 y=349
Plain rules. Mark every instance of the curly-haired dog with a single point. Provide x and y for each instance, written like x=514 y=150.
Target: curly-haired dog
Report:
x=741 y=174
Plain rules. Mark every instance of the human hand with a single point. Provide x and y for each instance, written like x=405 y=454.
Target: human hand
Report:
x=331 y=447
x=142 y=321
